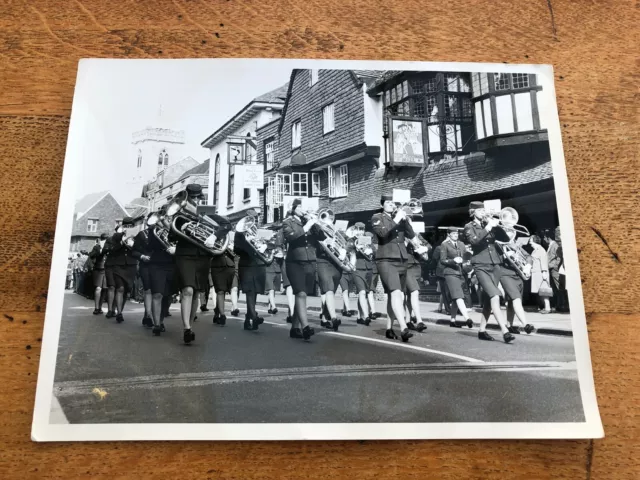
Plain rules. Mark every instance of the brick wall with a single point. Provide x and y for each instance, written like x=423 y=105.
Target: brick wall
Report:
x=306 y=103
x=106 y=211
x=362 y=188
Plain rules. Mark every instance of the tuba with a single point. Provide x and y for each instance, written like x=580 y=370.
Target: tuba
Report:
x=417 y=242
x=361 y=243
x=516 y=259
x=161 y=230
x=335 y=245
x=196 y=228
x=262 y=250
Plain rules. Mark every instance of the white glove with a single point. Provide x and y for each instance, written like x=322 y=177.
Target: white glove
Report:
x=210 y=241
x=171 y=250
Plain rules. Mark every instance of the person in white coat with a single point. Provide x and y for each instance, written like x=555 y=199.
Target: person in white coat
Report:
x=540 y=284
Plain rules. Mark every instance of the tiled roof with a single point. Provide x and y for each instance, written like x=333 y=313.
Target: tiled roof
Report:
x=385 y=76
x=138 y=208
x=201 y=169
x=86 y=202
x=274 y=96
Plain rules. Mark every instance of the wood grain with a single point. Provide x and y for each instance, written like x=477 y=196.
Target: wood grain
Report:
x=593 y=47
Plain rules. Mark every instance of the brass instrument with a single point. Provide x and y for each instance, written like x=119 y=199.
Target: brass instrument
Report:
x=517 y=260
x=336 y=244
x=418 y=242
x=261 y=248
x=128 y=242
x=197 y=229
x=412 y=208
x=507 y=219
x=161 y=230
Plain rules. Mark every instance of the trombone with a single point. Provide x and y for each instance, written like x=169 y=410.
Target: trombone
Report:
x=412 y=208
x=507 y=220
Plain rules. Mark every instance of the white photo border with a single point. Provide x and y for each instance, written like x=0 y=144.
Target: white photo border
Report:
x=43 y=431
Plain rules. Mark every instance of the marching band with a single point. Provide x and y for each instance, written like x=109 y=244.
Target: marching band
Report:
x=184 y=249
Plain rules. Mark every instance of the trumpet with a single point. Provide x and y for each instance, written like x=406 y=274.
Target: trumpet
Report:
x=335 y=245
x=195 y=228
x=261 y=249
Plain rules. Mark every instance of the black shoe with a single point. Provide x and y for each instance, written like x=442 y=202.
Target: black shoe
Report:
x=413 y=319
x=195 y=318
x=147 y=322
x=167 y=313
x=353 y=312
x=390 y=334
x=485 y=336
x=361 y=321
x=411 y=326
x=421 y=327
x=376 y=315
x=335 y=323
x=203 y=308
x=275 y=310
x=454 y=324
x=469 y=323
x=508 y=338
x=162 y=329
x=290 y=319
x=326 y=324
x=367 y=321
x=222 y=320
x=346 y=313
x=257 y=322
x=529 y=329
x=406 y=335
x=307 y=332
x=97 y=311
x=189 y=336
x=269 y=311
x=110 y=314
x=119 y=318
x=295 y=333
x=157 y=329
x=515 y=330
x=235 y=313
x=247 y=324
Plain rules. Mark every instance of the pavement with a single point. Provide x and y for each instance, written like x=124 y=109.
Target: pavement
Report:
x=545 y=324
x=121 y=373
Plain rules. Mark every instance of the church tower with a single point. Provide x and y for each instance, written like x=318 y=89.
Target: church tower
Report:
x=154 y=149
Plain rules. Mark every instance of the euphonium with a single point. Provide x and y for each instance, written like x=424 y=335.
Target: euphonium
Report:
x=161 y=230
x=261 y=248
x=195 y=228
x=418 y=242
x=516 y=259
x=335 y=245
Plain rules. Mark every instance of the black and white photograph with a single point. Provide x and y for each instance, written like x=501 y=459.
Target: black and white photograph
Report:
x=314 y=249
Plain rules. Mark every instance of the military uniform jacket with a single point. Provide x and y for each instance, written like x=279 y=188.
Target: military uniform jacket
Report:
x=390 y=237
x=141 y=245
x=362 y=263
x=98 y=257
x=436 y=258
x=159 y=254
x=302 y=246
x=483 y=244
x=449 y=251
x=118 y=254
x=185 y=248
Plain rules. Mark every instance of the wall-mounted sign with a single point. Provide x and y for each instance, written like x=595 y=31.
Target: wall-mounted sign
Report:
x=235 y=153
x=252 y=175
x=407 y=142
x=401 y=196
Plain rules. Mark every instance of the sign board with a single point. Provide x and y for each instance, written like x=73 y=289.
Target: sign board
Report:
x=406 y=142
x=492 y=206
x=310 y=204
x=401 y=196
x=341 y=225
x=265 y=234
x=418 y=227
x=252 y=176
x=364 y=240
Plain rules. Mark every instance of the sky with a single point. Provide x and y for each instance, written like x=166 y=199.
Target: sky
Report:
x=197 y=96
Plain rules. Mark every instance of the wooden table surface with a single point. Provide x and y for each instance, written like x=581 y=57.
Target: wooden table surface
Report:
x=593 y=45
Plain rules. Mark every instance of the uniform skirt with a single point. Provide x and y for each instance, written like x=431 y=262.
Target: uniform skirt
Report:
x=455 y=285
x=302 y=276
x=235 y=281
x=363 y=280
x=192 y=271
x=145 y=276
x=393 y=274
x=252 y=278
x=512 y=284
x=346 y=281
x=121 y=276
x=272 y=281
x=413 y=274
x=161 y=278
x=488 y=278
x=328 y=276
x=285 y=279
x=223 y=278
x=99 y=279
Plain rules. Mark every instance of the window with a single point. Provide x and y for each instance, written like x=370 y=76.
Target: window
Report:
x=296 y=135
x=501 y=81
x=139 y=158
x=315 y=184
x=511 y=81
x=166 y=159
x=92 y=225
x=313 y=77
x=246 y=194
x=269 y=154
x=300 y=182
x=216 y=181
x=480 y=84
x=270 y=212
x=328 y=124
x=249 y=151
x=231 y=185
x=520 y=80
x=338 y=181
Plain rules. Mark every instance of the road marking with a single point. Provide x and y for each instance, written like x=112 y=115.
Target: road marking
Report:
x=405 y=345
x=180 y=380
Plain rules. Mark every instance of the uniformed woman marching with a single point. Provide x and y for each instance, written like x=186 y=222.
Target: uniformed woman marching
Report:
x=301 y=235
x=452 y=252
x=392 y=257
x=222 y=273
